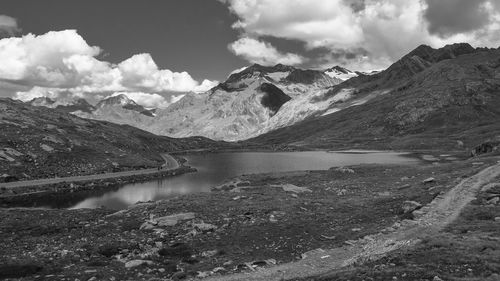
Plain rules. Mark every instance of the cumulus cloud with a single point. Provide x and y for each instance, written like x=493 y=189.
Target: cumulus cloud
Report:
x=60 y=61
x=264 y=53
x=385 y=29
x=8 y=26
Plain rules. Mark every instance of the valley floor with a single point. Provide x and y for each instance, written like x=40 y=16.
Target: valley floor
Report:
x=259 y=222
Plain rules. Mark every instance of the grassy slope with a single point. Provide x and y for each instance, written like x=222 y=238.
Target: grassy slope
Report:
x=54 y=143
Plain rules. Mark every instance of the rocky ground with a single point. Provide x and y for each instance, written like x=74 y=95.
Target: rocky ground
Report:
x=258 y=221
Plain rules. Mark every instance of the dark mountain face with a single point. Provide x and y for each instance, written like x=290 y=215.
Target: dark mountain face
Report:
x=273 y=97
x=304 y=76
x=339 y=69
x=436 y=98
x=295 y=75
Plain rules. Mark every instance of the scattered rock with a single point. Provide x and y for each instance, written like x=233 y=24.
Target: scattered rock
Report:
x=436 y=278
x=293 y=188
x=207 y=254
x=410 y=206
x=136 y=263
x=429 y=180
x=344 y=170
x=205 y=226
x=167 y=220
x=203 y=274
x=47 y=148
x=494 y=200
x=272 y=218
x=342 y=192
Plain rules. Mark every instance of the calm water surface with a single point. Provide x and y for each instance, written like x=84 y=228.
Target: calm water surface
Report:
x=213 y=169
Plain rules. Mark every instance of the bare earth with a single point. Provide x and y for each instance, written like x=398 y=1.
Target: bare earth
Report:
x=431 y=219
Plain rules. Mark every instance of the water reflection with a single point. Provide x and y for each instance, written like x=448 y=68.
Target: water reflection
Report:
x=213 y=169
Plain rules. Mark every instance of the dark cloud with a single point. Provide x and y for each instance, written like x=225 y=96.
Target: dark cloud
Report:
x=356 y=5
x=449 y=17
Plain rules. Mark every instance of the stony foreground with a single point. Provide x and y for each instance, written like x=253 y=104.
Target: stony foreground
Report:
x=259 y=221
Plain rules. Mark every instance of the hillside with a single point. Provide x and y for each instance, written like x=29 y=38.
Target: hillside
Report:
x=40 y=142
x=446 y=98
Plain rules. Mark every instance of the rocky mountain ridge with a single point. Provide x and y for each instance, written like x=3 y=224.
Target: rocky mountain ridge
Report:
x=447 y=98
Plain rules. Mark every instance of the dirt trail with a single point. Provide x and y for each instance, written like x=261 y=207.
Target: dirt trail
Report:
x=170 y=164
x=429 y=220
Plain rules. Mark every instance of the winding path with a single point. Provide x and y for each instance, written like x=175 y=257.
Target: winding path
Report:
x=170 y=164
x=429 y=220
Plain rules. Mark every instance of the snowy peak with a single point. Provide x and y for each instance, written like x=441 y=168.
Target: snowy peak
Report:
x=125 y=102
x=120 y=99
x=340 y=72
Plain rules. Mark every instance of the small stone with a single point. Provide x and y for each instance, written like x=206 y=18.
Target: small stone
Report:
x=208 y=254
x=436 y=278
x=272 y=218
x=228 y=263
x=410 y=206
x=429 y=180
x=494 y=200
x=205 y=226
x=218 y=269
x=203 y=274
x=136 y=263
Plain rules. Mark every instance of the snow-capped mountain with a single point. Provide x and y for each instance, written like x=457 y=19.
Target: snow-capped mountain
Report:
x=239 y=107
x=340 y=72
x=252 y=101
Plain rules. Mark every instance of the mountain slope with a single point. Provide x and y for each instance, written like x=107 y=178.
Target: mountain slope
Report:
x=120 y=109
x=432 y=98
x=243 y=105
x=39 y=142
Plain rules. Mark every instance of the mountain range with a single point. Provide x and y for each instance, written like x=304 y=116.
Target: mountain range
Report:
x=430 y=98
x=445 y=98
x=250 y=102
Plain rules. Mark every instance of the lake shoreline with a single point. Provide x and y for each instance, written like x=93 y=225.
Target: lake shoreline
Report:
x=266 y=221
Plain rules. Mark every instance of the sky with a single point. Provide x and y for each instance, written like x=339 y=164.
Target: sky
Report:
x=155 y=51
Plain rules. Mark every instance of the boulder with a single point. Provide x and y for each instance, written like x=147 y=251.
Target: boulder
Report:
x=174 y=219
x=136 y=263
x=205 y=226
x=429 y=180
x=410 y=206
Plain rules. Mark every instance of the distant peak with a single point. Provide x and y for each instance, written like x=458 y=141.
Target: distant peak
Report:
x=120 y=99
x=339 y=69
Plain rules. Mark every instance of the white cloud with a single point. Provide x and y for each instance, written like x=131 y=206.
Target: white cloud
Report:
x=60 y=61
x=381 y=31
x=205 y=86
x=260 y=52
x=8 y=25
